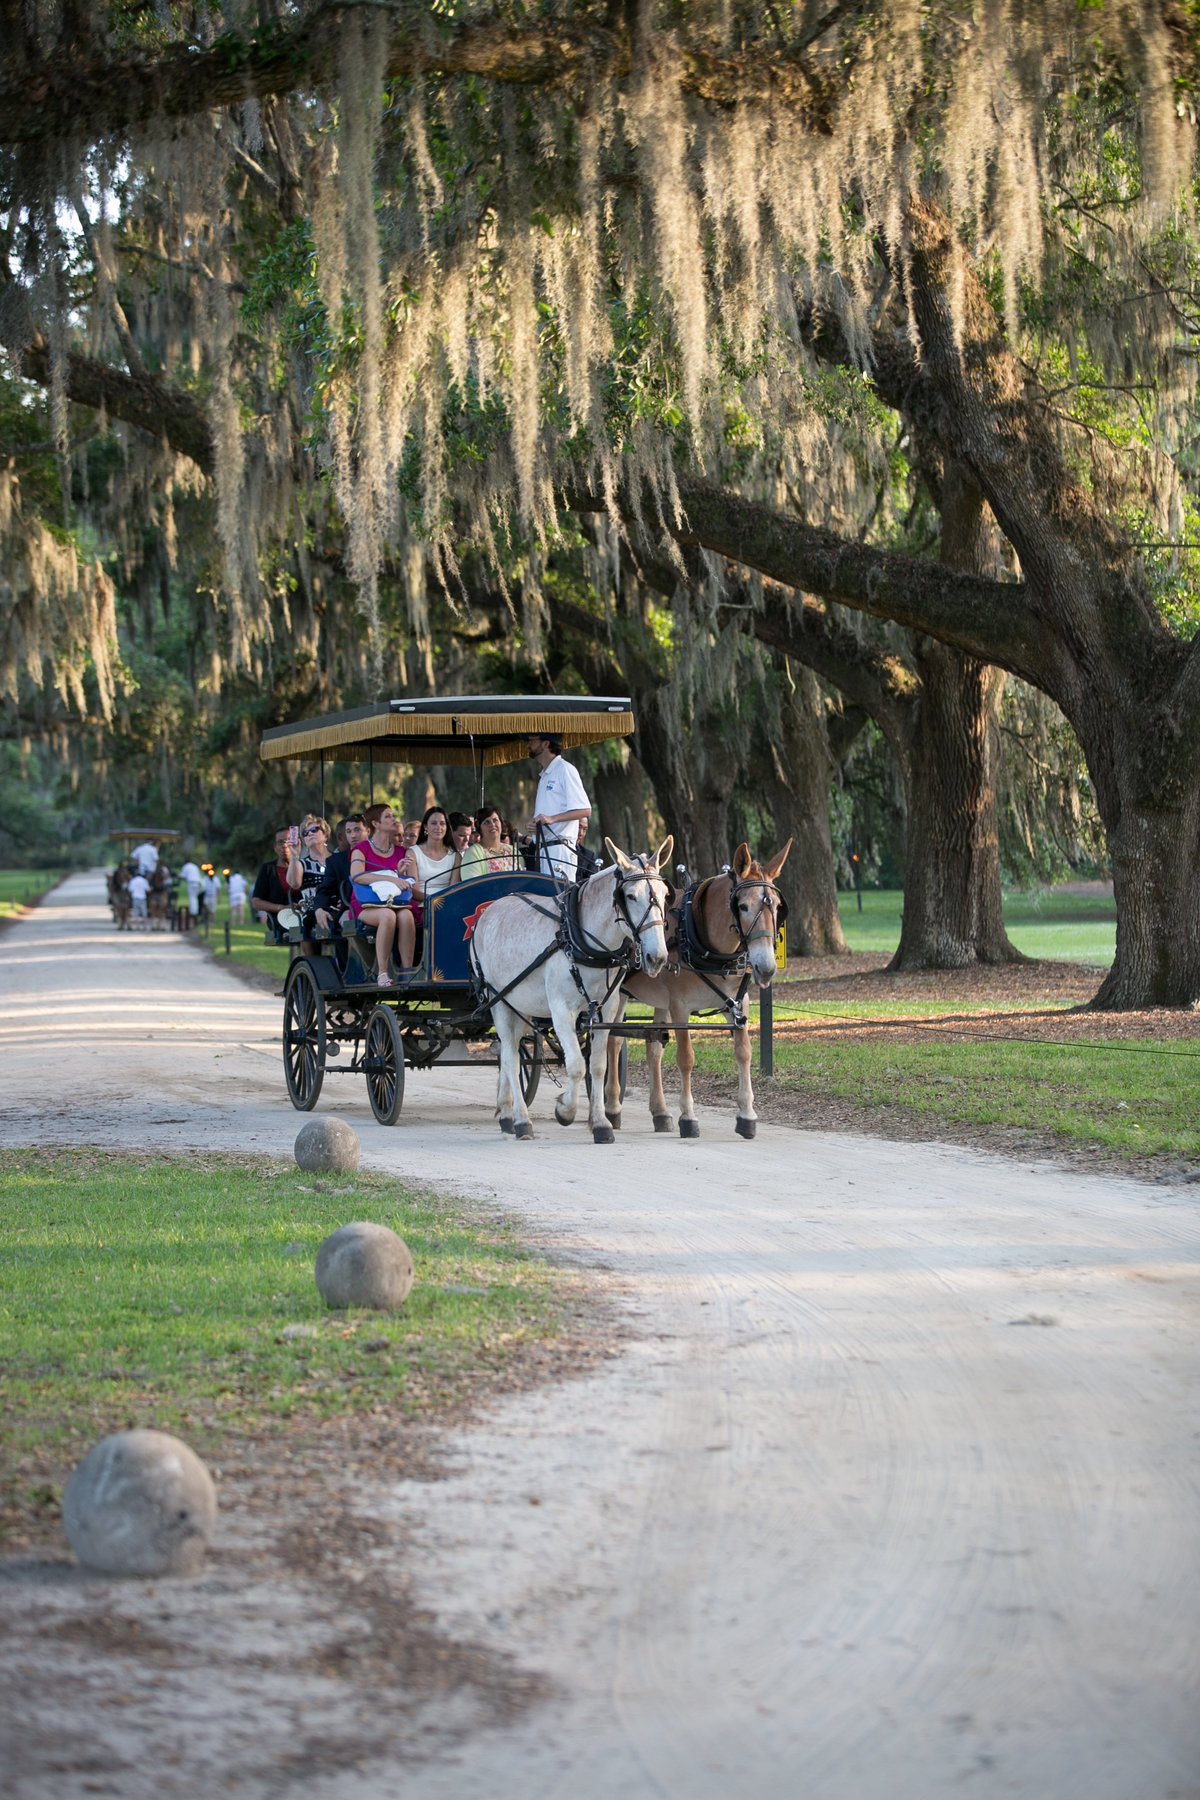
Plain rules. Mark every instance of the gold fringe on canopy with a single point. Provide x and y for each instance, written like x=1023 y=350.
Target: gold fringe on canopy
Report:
x=484 y=738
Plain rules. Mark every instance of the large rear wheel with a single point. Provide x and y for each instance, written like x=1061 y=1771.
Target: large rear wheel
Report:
x=383 y=1063
x=303 y=1036
x=530 y=1052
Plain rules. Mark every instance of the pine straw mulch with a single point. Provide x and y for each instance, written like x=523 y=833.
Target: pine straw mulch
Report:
x=1037 y=1001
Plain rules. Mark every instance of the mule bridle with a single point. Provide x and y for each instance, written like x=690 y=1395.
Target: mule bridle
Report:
x=738 y=886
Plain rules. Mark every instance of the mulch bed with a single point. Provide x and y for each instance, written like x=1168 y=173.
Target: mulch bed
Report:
x=1042 y=1001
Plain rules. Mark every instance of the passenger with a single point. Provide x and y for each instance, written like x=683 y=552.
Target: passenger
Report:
x=328 y=897
x=462 y=830
x=412 y=832
x=314 y=854
x=277 y=882
x=238 y=889
x=144 y=859
x=433 y=861
x=383 y=890
x=491 y=855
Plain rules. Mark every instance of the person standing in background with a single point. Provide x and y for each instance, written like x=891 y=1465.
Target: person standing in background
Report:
x=191 y=877
x=212 y=892
x=237 y=898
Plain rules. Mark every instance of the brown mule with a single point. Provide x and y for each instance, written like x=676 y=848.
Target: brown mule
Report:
x=732 y=914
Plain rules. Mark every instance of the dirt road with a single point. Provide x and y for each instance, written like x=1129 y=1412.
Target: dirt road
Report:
x=893 y=1495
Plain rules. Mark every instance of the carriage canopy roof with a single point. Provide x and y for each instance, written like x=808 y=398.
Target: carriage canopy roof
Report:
x=475 y=729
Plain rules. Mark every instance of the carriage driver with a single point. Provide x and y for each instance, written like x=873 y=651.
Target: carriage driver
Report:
x=562 y=808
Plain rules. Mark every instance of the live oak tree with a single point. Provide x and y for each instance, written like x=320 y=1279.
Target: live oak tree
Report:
x=410 y=285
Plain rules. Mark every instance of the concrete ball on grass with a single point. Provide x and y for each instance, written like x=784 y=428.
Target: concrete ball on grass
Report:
x=327 y=1146
x=364 y=1265
x=140 y=1503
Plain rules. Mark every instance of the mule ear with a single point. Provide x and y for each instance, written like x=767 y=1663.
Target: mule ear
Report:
x=662 y=856
x=618 y=856
x=777 y=861
x=742 y=861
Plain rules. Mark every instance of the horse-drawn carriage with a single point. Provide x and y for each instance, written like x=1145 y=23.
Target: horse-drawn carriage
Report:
x=333 y=1007
x=158 y=901
x=598 y=941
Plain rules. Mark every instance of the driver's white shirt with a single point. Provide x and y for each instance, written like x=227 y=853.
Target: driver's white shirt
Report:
x=561 y=790
x=146 y=858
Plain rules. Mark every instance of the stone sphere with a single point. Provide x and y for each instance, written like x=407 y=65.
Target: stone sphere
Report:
x=364 y=1265
x=327 y=1146
x=140 y=1503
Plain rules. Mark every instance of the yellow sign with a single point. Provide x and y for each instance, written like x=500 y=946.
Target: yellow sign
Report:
x=781 y=948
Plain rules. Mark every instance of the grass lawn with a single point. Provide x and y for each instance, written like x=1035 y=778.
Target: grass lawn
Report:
x=1132 y=1099
x=248 y=945
x=1067 y=927
x=21 y=887
x=138 y=1291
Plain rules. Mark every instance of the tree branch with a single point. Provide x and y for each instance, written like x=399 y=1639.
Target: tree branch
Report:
x=141 y=400
x=991 y=620
x=70 y=98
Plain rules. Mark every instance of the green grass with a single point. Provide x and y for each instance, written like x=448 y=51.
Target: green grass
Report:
x=20 y=887
x=248 y=945
x=1130 y=1099
x=137 y=1291
x=1063 y=927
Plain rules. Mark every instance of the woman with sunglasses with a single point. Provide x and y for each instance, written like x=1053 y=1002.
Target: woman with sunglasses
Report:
x=313 y=855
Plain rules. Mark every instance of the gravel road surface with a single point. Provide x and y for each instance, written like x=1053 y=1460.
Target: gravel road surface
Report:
x=892 y=1496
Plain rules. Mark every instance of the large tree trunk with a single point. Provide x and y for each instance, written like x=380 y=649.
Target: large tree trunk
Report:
x=693 y=774
x=953 y=909
x=627 y=813
x=1155 y=858
x=796 y=776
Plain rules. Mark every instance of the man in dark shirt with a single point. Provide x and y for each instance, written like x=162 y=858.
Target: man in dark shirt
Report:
x=328 y=895
x=271 y=890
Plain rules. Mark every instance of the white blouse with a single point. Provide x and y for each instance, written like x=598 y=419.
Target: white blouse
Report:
x=434 y=873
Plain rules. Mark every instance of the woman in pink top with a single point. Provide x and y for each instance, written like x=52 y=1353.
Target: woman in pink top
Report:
x=381 y=855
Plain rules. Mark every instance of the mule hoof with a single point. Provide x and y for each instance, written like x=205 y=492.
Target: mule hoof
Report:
x=662 y=1122
x=506 y=1126
x=689 y=1128
x=614 y=1119
x=562 y=1120
x=603 y=1134
x=523 y=1130
x=746 y=1127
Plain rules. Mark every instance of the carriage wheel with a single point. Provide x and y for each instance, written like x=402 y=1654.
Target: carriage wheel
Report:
x=530 y=1052
x=383 y=1062
x=623 y=1069
x=303 y=1036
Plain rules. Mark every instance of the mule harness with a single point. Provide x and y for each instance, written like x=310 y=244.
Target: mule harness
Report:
x=580 y=948
x=706 y=963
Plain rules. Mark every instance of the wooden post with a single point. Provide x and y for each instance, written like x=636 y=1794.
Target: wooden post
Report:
x=228 y=944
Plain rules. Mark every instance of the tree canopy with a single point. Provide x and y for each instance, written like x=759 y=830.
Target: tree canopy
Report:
x=377 y=300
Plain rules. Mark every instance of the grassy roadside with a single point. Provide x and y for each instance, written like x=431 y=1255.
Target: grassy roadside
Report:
x=138 y=1291
x=248 y=946
x=22 y=888
x=1132 y=1099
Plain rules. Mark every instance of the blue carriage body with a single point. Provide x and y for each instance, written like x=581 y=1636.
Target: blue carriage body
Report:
x=451 y=917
